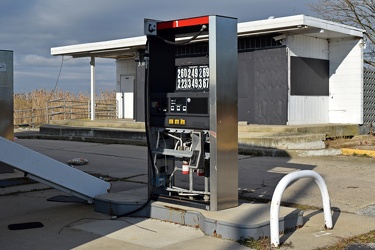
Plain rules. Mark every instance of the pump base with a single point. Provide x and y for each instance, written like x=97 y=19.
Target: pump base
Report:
x=246 y=220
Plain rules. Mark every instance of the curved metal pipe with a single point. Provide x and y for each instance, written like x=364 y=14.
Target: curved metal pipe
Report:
x=276 y=200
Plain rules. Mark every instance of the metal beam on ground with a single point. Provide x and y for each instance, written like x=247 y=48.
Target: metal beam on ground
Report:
x=51 y=172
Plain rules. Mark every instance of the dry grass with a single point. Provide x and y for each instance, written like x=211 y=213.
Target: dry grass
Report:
x=30 y=108
x=361 y=239
x=356 y=141
x=261 y=244
x=264 y=243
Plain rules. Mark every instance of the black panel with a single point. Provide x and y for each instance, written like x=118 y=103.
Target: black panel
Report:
x=246 y=87
x=197 y=106
x=162 y=72
x=192 y=61
x=263 y=86
x=191 y=108
x=271 y=87
x=309 y=76
x=140 y=94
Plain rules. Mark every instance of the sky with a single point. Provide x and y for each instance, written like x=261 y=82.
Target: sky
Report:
x=31 y=28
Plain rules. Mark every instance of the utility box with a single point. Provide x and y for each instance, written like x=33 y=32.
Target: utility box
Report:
x=192 y=112
x=6 y=100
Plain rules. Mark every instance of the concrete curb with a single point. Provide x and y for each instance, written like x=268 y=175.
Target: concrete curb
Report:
x=242 y=148
x=231 y=224
x=354 y=151
x=137 y=137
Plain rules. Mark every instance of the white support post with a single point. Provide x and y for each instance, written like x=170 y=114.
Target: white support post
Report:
x=92 y=63
x=276 y=200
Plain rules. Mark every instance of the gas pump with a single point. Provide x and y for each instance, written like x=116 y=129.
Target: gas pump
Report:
x=191 y=112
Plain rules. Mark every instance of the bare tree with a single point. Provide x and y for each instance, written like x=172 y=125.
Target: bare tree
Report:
x=357 y=13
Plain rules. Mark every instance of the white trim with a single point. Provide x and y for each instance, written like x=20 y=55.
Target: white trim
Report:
x=99 y=46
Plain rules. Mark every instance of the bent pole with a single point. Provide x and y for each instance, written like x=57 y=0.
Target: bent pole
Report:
x=276 y=200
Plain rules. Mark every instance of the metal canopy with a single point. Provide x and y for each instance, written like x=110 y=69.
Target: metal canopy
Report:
x=300 y=25
x=107 y=49
x=292 y=25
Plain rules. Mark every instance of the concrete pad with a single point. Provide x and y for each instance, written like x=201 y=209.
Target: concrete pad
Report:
x=23 y=188
x=140 y=233
x=143 y=232
x=115 y=160
x=61 y=219
x=349 y=181
x=319 y=152
x=123 y=202
x=313 y=235
x=55 y=216
x=282 y=141
x=207 y=242
x=245 y=220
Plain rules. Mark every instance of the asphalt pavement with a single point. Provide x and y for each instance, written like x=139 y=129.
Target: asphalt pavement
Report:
x=76 y=225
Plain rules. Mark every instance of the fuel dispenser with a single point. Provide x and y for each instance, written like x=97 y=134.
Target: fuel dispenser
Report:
x=191 y=112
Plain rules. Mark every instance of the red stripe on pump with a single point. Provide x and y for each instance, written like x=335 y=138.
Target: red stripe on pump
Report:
x=182 y=23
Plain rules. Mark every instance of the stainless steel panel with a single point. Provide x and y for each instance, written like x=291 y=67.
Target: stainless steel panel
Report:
x=6 y=101
x=6 y=94
x=223 y=112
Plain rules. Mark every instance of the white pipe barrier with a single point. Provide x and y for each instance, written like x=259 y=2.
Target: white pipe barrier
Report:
x=276 y=199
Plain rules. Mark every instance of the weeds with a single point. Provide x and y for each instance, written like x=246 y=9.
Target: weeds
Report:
x=343 y=243
x=260 y=244
x=264 y=242
x=31 y=107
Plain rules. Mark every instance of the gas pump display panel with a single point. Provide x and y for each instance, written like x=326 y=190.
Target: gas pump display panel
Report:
x=187 y=106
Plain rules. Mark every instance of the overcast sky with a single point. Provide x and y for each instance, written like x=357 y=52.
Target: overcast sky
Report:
x=31 y=28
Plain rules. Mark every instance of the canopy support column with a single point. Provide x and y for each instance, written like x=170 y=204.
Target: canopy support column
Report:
x=92 y=105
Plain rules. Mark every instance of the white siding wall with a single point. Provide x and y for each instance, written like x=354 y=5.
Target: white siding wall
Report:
x=305 y=46
x=346 y=81
x=307 y=109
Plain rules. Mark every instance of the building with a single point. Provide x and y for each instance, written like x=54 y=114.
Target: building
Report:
x=291 y=70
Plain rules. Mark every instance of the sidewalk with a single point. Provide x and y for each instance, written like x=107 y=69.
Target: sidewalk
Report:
x=76 y=225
